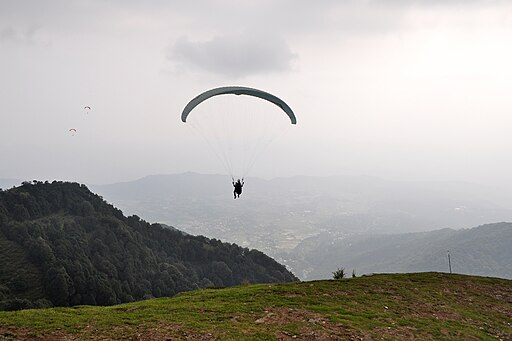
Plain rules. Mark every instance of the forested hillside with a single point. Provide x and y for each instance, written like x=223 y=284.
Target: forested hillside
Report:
x=62 y=245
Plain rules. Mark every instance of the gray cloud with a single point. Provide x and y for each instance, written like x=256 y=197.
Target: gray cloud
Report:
x=443 y=3
x=380 y=86
x=9 y=34
x=234 y=55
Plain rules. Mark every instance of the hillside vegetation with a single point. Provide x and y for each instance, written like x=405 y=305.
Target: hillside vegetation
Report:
x=484 y=251
x=424 y=306
x=62 y=245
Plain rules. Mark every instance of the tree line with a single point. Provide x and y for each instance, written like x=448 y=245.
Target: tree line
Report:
x=85 y=251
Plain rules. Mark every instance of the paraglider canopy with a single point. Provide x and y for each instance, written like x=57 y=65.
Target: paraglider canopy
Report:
x=238 y=90
x=238 y=128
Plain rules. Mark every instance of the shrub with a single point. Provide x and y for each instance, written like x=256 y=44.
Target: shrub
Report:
x=339 y=274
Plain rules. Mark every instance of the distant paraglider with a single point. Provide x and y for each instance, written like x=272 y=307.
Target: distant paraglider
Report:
x=74 y=131
x=238 y=187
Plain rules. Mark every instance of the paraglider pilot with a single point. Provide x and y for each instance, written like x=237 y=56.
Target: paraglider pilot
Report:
x=238 y=188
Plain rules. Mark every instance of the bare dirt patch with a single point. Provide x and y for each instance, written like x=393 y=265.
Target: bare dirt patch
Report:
x=311 y=325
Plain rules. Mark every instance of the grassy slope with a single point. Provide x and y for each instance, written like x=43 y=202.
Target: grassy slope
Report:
x=388 y=306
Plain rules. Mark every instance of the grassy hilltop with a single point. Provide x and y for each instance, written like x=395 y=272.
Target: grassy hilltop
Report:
x=386 y=306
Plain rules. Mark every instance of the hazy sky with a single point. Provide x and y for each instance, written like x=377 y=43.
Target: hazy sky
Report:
x=393 y=88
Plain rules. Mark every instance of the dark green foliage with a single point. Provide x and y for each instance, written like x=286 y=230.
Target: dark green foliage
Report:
x=4 y=292
x=23 y=303
x=339 y=274
x=86 y=252
x=15 y=304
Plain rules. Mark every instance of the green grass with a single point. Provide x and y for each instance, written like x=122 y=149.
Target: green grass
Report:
x=388 y=306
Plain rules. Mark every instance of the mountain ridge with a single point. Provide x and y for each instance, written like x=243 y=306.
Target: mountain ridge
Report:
x=483 y=250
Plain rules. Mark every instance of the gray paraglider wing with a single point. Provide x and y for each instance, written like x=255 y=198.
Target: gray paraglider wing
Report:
x=238 y=90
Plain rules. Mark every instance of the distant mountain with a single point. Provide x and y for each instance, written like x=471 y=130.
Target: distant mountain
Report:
x=485 y=251
x=277 y=215
x=60 y=244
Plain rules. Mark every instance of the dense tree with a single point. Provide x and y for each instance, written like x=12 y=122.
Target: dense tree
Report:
x=88 y=252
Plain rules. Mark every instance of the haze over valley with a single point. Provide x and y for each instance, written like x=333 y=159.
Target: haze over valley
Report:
x=284 y=215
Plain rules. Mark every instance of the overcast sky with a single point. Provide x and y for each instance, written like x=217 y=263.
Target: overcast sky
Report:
x=399 y=89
